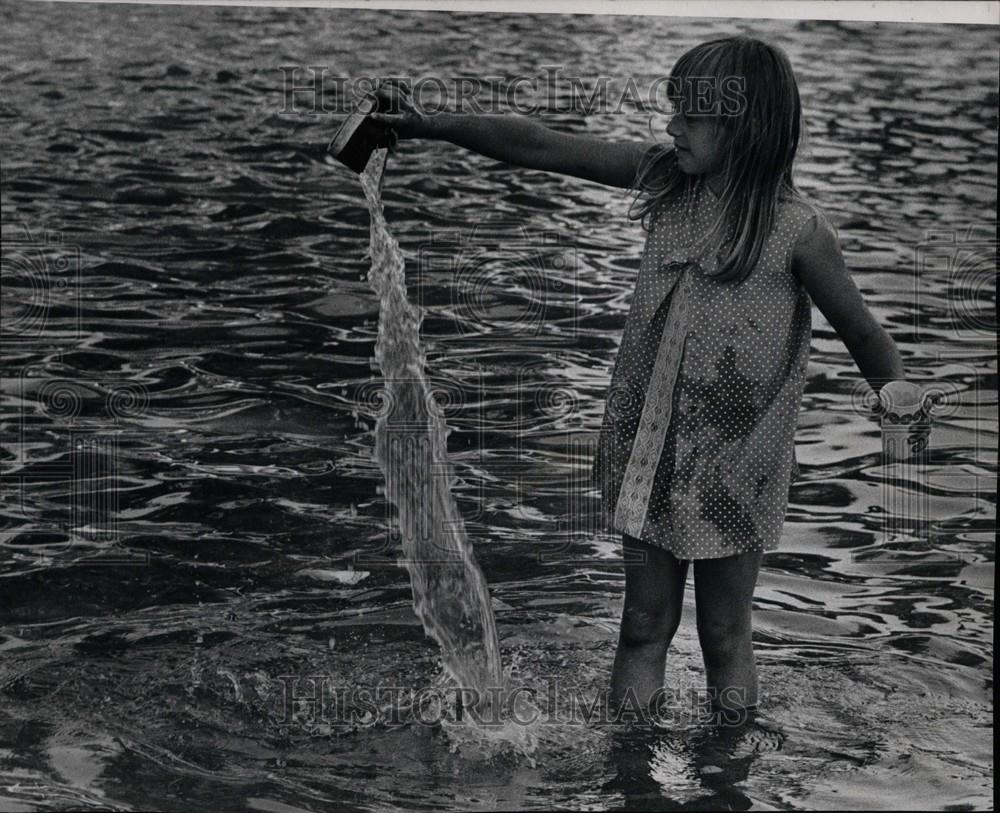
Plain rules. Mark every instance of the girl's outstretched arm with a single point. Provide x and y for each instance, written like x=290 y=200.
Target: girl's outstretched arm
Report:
x=817 y=261
x=516 y=140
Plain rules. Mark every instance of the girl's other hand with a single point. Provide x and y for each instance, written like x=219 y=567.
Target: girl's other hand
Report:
x=397 y=111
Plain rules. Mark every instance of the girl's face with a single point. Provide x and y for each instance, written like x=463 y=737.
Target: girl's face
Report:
x=698 y=141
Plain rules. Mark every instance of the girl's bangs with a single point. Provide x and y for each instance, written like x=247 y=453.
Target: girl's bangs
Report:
x=695 y=78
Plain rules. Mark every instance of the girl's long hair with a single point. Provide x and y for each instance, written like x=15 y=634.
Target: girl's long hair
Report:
x=752 y=93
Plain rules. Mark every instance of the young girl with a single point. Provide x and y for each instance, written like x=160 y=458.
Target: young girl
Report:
x=696 y=452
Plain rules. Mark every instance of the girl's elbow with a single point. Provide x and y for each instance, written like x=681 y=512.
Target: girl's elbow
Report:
x=870 y=334
x=864 y=330
x=869 y=344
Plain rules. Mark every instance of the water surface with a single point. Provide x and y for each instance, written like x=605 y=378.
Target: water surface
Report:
x=194 y=522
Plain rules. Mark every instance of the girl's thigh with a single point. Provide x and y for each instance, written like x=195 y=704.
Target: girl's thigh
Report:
x=654 y=578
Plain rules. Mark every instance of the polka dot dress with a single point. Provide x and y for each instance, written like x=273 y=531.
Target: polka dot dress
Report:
x=697 y=447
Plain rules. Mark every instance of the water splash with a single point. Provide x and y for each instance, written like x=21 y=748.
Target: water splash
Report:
x=450 y=594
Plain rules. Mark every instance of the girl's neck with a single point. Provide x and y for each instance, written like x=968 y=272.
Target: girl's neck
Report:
x=716 y=183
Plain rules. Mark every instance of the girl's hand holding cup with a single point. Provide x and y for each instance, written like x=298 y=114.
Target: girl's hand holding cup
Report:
x=397 y=112
x=905 y=410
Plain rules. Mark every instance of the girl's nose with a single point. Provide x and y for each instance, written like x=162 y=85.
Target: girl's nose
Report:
x=673 y=127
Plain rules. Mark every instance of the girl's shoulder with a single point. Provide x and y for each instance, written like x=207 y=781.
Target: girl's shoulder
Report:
x=802 y=214
x=812 y=236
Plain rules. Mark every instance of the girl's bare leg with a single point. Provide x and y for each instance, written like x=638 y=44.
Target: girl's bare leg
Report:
x=724 y=599
x=654 y=595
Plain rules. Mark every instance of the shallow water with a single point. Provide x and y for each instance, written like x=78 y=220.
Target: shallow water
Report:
x=191 y=413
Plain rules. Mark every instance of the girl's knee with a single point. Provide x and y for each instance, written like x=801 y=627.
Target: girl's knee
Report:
x=643 y=627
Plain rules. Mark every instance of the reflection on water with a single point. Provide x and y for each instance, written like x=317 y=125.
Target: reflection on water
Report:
x=189 y=391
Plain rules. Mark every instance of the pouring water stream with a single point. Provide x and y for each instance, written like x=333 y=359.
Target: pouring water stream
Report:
x=450 y=594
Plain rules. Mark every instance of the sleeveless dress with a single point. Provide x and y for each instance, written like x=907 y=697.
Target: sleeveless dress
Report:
x=697 y=445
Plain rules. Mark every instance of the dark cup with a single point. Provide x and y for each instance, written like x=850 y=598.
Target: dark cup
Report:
x=358 y=136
